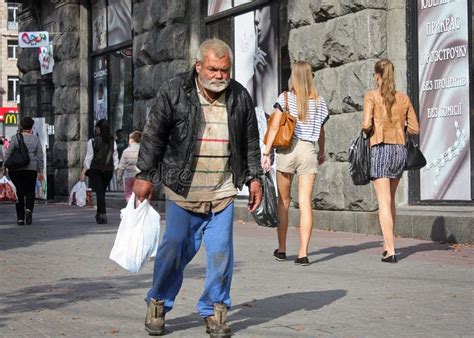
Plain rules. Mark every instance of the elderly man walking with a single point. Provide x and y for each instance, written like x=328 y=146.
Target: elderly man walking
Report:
x=201 y=141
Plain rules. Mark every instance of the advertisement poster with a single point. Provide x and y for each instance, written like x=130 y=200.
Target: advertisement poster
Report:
x=443 y=63
x=256 y=60
x=119 y=21
x=100 y=88
x=41 y=131
x=216 y=6
x=46 y=59
x=99 y=24
x=33 y=39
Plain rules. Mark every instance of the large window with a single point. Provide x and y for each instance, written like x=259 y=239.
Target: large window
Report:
x=252 y=29
x=111 y=23
x=12 y=20
x=12 y=46
x=217 y=6
x=112 y=93
x=12 y=88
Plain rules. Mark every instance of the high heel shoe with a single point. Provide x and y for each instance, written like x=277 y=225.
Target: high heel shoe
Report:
x=384 y=253
x=390 y=259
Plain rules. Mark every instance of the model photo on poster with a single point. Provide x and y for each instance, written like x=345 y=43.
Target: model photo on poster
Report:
x=100 y=88
x=256 y=57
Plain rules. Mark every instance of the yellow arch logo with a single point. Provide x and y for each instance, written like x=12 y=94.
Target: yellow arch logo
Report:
x=11 y=119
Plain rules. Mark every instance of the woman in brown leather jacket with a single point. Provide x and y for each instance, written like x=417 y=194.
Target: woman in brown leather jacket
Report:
x=386 y=113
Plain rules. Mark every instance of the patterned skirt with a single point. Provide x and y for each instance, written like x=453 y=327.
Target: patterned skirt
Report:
x=387 y=160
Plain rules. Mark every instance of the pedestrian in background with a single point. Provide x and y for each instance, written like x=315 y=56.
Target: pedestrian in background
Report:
x=302 y=158
x=99 y=164
x=386 y=113
x=1 y=157
x=201 y=141
x=120 y=141
x=127 y=168
x=25 y=178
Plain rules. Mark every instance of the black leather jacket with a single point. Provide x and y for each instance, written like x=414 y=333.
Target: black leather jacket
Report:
x=168 y=142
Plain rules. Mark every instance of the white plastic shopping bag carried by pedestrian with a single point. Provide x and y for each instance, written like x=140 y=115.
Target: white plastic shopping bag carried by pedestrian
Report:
x=7 y=190
x=78 y=194
x=137 y=236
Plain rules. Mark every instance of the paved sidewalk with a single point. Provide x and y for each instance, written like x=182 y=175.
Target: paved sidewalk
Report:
x=56 y=280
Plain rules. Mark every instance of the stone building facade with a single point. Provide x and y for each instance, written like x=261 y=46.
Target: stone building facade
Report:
x=9 y=74
x=342 y=39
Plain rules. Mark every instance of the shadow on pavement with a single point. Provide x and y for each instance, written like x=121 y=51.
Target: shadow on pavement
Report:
x=440 y=242
x=264 y=310
x=52 y=222
x=337 y=251
x=404 y=252
x=69 y=291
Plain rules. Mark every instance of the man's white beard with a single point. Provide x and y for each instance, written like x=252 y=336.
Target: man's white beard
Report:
x=215 y=86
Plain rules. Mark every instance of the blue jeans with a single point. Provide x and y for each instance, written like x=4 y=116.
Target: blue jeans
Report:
x=182 y=239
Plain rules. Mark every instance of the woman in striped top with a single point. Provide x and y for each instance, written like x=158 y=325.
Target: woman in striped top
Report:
x=302 y=158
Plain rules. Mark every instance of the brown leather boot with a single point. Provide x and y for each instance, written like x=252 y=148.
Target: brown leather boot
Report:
x=155 y=318
x=216 y=325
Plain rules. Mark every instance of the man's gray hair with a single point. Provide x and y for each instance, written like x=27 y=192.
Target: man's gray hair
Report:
x=219 y=47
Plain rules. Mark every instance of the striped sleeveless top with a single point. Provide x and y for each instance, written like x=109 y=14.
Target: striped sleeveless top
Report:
x=310 y=129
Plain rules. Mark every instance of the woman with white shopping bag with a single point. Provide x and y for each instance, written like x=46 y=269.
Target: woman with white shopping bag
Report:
x=138 y=235
x=99 y=164
x=24 y=176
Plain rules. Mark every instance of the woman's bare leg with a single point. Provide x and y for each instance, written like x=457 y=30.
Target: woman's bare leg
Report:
x=393 y=189
x=305 y=195
x=384 y=199
x=284 y=199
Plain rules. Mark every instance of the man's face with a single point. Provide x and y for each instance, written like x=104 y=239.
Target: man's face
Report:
x=214 y=72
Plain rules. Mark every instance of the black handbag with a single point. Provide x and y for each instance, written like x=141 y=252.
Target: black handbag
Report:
x=267 y=212
x=359 y=160
x=415 y=158
x=20 y=157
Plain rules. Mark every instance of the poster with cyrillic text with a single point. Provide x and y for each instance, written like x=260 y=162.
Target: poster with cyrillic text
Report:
x=443 y=58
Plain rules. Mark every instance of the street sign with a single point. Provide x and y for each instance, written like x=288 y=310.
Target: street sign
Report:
x=33 y=39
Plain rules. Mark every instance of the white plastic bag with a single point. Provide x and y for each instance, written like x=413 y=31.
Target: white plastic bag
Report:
x=137 y=236
x=7 y=190
x=78 y=194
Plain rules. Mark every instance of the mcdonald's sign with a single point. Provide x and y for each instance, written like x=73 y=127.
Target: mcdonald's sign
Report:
x=11 y=119
x=6 y=111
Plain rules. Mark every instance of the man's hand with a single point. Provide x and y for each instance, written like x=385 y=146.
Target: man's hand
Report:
x=142 y=189
x=255 y=189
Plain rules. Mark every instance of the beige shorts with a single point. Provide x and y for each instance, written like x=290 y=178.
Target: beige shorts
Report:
x=300 y=159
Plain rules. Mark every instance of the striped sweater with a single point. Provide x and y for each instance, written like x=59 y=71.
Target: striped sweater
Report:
x=212 y=179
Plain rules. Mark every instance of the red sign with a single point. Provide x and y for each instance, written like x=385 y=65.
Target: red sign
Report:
x=5 y=110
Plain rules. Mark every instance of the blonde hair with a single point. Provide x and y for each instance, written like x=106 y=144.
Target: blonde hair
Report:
x=136 y=136
x=384 y=67
x=301 y=83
